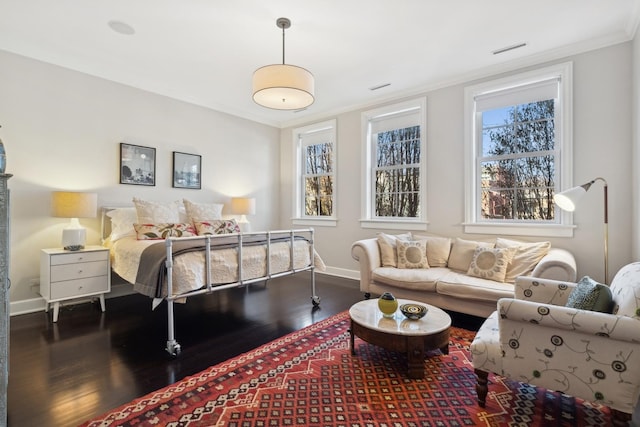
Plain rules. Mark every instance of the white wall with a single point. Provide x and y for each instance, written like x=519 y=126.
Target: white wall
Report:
x=62 y=129
x=602 y=147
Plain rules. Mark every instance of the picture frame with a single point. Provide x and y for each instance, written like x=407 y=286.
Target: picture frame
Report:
x=187 y=170
x=137 y=165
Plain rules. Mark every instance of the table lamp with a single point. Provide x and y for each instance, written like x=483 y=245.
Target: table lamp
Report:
x=243 y=206
x=568 y=200
x=74 y=205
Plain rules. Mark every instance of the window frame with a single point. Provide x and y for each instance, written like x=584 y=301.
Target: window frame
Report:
x=563 y=146
x=299 y=216
x=367 y=216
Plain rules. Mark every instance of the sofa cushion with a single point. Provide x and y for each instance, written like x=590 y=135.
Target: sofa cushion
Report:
x=490 y=263
x=590 y=295
x=462 y=253
x=416 y=279
x=412 y=254
x=438 y=249
x=387 y=245
x=460 y=285
x=526 y=257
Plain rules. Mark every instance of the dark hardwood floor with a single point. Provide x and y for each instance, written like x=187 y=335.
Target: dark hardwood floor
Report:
x=90 y=362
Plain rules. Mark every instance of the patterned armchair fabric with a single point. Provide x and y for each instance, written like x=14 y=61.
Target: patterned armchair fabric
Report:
x=534 y=339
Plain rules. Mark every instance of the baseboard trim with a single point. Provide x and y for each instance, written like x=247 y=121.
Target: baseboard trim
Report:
x=121 y=289
x=341 y=272
x=26 y=306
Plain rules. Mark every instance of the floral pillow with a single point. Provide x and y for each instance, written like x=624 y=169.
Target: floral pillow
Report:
x=163 y=231
x=219 y=226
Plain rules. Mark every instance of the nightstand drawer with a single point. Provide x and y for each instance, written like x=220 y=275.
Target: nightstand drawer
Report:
x=64 y=272
x=84 y=256
x=74 y=288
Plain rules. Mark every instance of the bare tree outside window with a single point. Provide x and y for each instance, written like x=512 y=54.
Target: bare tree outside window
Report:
x=518 y=162
x=318 y=179
x=397 y=173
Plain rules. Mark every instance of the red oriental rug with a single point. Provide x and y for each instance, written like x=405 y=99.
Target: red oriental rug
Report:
x=309 y=377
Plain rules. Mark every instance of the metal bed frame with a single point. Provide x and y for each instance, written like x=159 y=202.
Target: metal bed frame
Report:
x=172 y=346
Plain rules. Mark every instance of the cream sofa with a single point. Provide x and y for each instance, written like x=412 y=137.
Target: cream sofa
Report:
x=448 y=281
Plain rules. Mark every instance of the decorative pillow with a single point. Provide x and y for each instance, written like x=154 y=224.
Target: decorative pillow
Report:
x=220 y=226
x=122 y=220
x=591 y=295
x=490 y=263
x=412 y=254
x=163 y=230
x=387 y=245
x=527 y=256
x=202 y=211
x=438 y=249
x=156 y=212
x=462 y=253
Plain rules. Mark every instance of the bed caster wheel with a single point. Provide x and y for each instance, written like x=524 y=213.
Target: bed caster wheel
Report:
x=173 y=350
x=315 y=301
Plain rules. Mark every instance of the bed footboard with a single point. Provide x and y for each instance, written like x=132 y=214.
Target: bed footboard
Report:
x=172 y=346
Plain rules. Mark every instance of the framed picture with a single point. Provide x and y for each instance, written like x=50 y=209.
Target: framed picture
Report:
x=186 y=170
x=137 y=164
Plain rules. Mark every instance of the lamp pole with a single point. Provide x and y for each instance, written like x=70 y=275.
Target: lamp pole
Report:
x=568 y=199
x=606 y=231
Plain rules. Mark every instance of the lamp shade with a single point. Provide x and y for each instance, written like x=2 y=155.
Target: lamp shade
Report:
x=283 y=87
x=243 y=205
x=67 y=204
x=568 y=199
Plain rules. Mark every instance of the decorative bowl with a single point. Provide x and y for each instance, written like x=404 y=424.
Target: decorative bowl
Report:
x=413 y=311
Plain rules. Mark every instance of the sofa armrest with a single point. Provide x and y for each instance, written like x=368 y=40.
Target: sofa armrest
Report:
x=543 y=291
x=558 y=264
x=534 y=315
x=367 y=253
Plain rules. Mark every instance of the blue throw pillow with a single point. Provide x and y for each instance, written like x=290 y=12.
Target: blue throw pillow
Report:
x=591 y=295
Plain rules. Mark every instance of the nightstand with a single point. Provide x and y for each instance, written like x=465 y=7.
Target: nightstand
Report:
x=66 y=275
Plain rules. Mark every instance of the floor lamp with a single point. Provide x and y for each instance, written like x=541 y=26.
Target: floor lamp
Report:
x=568 y=199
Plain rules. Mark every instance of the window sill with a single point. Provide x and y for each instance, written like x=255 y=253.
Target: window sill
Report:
x=535 y=230
x=319 y=222
x=393 y=224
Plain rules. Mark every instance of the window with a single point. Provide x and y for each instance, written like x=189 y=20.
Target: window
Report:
x=518 y=146
x=315 y=148
x=394 y=185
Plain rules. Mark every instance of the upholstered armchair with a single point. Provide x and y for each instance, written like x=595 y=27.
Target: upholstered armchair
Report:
x=534 y=338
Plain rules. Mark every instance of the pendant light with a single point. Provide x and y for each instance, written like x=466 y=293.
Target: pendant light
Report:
x=282 y=86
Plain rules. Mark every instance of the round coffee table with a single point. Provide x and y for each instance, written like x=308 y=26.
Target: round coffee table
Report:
x=397 y=333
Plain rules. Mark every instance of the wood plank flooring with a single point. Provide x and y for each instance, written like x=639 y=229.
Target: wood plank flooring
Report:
x=90 y=362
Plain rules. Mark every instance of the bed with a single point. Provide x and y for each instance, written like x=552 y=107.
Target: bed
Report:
x=173 y=260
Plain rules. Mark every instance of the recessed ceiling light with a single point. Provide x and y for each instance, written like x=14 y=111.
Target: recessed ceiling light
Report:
x=508 y=48
x=121 y=27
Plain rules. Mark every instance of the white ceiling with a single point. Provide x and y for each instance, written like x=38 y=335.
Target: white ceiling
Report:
x=205 y=51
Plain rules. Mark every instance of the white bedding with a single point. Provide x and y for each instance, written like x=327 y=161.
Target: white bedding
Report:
x=188 y=268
